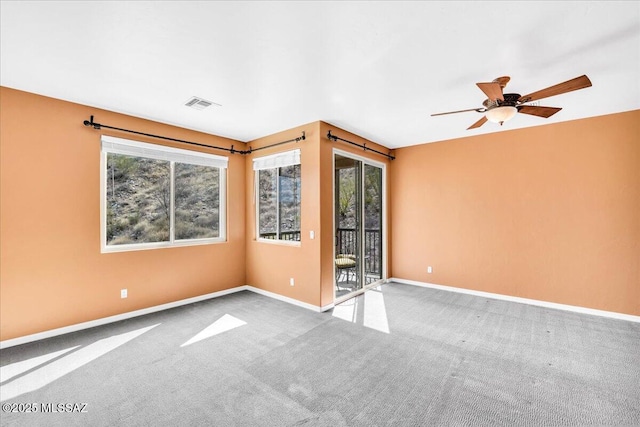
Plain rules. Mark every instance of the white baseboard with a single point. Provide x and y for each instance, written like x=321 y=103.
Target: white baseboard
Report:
x=283 y=298
x=111 y=319
x=327 y=307
x=566 y=307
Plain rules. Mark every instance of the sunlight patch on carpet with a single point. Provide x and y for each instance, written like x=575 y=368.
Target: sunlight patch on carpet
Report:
x=58 y=368
x=347 y=310
x=18 y=368
x=367 y=310
x=375 y=312
x=223 y=324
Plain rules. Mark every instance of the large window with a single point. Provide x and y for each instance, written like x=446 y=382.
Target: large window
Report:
x=278 y=196
x=155 y=196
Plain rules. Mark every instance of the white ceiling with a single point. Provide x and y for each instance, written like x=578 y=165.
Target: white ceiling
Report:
x=377 y=69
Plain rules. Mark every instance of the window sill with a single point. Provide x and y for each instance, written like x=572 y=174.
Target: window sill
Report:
x=163 y=245
x=294 y=243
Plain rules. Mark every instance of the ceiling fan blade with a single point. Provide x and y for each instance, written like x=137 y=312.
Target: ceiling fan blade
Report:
x=479 y=123
x=492 y=90
x=568 y=86
x=459 y=111
x=545 y=112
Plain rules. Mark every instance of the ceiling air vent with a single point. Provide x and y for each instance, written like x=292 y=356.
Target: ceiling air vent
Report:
x=199 y=103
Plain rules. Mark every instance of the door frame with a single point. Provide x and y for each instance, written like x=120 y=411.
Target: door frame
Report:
x=384 y=235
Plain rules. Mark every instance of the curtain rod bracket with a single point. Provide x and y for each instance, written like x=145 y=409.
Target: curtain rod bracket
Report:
x=91 y=123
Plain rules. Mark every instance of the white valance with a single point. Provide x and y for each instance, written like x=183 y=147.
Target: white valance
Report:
x=287 y=158
x=114 y=145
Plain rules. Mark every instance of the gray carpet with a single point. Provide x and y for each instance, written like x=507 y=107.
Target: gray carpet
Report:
x=449 y=359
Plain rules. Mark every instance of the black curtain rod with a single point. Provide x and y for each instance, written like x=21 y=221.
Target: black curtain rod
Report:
x=364 y=146
x=231 y=150
x=298 y=139
x=99 y=126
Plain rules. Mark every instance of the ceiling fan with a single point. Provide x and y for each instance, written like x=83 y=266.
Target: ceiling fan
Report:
x=500 y=107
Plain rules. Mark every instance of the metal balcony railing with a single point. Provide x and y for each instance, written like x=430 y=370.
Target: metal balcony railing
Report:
x=346 y=244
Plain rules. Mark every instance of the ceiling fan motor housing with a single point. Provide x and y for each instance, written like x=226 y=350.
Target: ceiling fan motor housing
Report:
x=510 y=100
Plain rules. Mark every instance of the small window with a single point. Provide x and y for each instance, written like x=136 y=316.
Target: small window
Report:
x=278 y=192
x=155 y=196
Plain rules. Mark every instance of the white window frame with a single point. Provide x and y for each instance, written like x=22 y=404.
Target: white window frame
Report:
x=385 y=224
x=113 y=145
x=274 y=161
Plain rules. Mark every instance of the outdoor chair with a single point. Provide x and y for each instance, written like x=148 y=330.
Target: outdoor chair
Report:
x=345 y=263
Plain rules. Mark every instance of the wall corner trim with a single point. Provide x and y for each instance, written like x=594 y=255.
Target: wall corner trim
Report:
x=566 y=307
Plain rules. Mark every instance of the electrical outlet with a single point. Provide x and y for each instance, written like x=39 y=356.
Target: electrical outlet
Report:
x=429 y=270
x=123 y=293
x=312 y=235
x=291 y=282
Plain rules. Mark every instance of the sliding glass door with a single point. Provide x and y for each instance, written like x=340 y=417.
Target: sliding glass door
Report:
x=372 y=218
x=358 y=223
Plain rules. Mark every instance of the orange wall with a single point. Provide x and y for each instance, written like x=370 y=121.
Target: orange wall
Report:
x=550 y=213
x=271 y=265
x=52 y=272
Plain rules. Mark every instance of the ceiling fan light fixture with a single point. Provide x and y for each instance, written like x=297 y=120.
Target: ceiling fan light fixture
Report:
x=501 y=114
x=500 y=107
